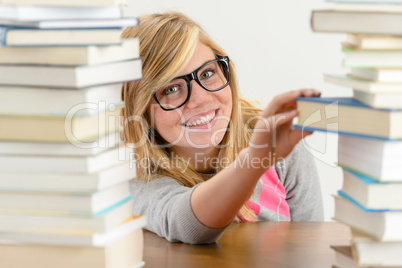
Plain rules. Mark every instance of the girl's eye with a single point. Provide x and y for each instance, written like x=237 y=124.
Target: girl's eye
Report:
x=207 y=74
x=170 y=90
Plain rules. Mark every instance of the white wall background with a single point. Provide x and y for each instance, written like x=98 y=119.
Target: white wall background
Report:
x=274 y=51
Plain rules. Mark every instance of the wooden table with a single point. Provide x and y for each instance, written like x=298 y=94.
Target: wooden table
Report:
x=264 y=244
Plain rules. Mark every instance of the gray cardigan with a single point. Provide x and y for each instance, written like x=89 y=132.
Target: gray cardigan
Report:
x=166 y=202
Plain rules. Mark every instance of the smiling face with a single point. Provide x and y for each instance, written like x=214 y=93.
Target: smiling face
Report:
x=201 y=123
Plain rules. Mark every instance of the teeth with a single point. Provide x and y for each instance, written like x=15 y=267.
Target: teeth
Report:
x=202 y=121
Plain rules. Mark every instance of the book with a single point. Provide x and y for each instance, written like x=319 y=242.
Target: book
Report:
x=71 y=128
x=32 y=13
x=381 y=225
x=345 y=259
x=378 y=100
x=76 y=238
x=367 y=7
x=372 y=58
x=368 y=251
x=70 y=76
x=370 y=193
x=94 y=203
x=42 y=224
x=29 y=101
x=124 y=251
x=63 y=2
x=69 y=24
x=12 y=36
x=363 y=85
x=374 y=158
x=73 y=55
x=373 y=42
x=336 y=21
x=63 y=181
x=91 y=148
x=348 y=116
x=377 y=74
x=343 y=256
x=67 y=164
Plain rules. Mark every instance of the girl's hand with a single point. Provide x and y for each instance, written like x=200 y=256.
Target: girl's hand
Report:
x=273 y=135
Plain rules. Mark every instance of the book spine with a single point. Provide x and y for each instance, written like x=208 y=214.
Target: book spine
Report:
x=3 y=36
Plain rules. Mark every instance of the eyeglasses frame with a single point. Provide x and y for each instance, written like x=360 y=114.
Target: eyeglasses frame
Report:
x=194 y=76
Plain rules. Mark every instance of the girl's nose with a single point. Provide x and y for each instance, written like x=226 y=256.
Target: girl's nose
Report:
x=199 y=96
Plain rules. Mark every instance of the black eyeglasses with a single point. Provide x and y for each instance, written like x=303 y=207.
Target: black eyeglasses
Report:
x=212 y=76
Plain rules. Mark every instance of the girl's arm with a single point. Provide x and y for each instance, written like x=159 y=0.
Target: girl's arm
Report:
x=216 y=202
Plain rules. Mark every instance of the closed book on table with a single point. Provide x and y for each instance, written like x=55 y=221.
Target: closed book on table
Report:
x=123 y=250
x=348 y=116
x=369 y=252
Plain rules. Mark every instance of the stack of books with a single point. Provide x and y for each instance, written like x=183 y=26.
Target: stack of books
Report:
x=369 y=127
x=64 y=172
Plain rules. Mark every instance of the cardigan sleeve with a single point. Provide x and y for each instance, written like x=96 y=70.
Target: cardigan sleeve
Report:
x=166 y=203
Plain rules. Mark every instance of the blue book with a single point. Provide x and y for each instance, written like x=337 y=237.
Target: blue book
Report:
x=347 y=116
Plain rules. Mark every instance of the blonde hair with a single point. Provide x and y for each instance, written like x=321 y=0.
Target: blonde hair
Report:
x=167 y=42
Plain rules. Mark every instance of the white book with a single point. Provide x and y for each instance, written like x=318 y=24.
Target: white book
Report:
x=375 y=158
x=364 y=7
x=363 y=85
x=29 y=101
x=64 y=202
x=32 y=13
x=378 y=74
x=65 y=182
x=63 y=2
x=379 y=100
x=381 y=225
x=67 y=164
x=372 y=58
x=23 y=37
x=97 y=239
x=124 y=248
x=369 y=252
x=68 y=222
x=71 y=55
x=78 y=24
x=373 y=42
x=371 y=193
x=70 y=76
x=91 y=148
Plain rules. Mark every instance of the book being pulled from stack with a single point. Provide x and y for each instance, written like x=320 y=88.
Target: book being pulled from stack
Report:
x=64 y=172
x=369 y=127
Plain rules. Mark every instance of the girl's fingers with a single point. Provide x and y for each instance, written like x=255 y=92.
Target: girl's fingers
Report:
x=288 y=100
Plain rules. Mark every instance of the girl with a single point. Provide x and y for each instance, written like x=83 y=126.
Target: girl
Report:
x=205 y=156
